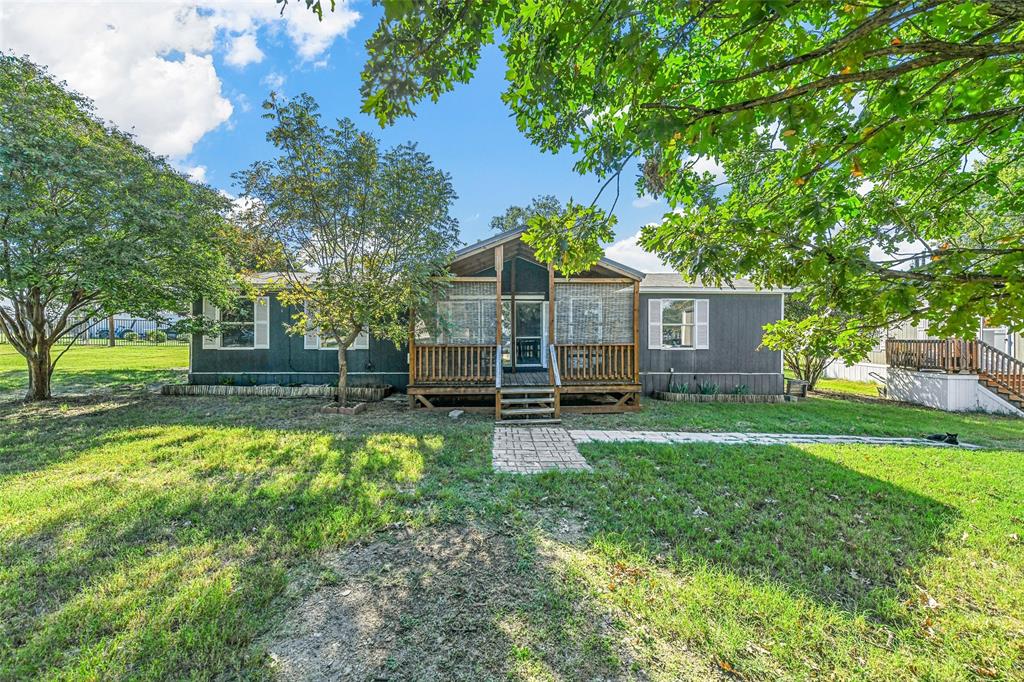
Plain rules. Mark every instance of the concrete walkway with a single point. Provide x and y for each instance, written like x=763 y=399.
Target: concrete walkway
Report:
x=530 y=450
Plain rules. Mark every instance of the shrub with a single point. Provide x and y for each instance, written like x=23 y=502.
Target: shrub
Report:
x=130 y=336
x=156 y=336
x=679 y=388
x=741 y=389
x=707 y=388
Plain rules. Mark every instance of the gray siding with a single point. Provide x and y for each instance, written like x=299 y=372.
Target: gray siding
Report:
x=287 y=362
x=732 y=356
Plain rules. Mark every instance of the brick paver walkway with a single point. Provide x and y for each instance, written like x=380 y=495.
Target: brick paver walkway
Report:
x=530 y=450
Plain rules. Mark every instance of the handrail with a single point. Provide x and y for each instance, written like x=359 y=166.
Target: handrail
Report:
x=553 y=360
x=1001 y=368
x=497 y=366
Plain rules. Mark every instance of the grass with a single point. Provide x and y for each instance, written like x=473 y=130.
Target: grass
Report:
x=90 y=368
x=150 y=537
x=862 y=388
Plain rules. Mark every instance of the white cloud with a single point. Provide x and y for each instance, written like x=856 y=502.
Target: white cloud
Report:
x=149 y=66
x=244 y=51
x=273 y=81
x=197 y=173
x=710 y=165
x=628 y=252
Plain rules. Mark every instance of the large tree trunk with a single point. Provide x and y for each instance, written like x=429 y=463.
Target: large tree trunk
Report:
x=39 y=377
x=342 y=376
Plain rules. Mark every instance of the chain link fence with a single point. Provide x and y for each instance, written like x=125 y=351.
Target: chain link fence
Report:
x=120 y=331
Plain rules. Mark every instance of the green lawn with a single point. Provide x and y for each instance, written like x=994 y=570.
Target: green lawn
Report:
x=97 y=367
x=864 y=388
x=144 y=536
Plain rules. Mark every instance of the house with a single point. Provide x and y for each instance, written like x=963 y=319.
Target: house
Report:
x=521 y=339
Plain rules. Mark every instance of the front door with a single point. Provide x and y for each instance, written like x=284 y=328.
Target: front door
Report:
x=531 y=334
x=524 y=342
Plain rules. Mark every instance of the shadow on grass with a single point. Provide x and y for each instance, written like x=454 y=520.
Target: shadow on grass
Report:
x=768 y=513
x=158 y=549
x=14 y=383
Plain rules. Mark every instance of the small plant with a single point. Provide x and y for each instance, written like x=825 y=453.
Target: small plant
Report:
x=707 y=388
x=130 y=336
x=156 y=336
x=741 y=389
x=227 y=381
x=679 y=388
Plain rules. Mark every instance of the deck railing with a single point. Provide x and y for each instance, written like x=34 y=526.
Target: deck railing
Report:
x=1001 y=368
x=596 y=362
x=946 y=355
x=466 y=363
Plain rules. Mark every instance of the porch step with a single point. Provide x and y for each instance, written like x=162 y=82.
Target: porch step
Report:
x=532 y=422
x=527 y=401
x=528 y=410
x=517 y=390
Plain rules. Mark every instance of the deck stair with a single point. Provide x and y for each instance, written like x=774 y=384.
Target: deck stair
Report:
x=1001 y=373
x=528 y=405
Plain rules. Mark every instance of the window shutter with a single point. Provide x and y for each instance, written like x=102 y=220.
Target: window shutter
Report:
x=211 y=313
x=261 y=317
x=654 y=324
x=311 y=340
x=700 y=330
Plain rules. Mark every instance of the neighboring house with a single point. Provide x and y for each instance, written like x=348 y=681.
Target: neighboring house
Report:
x=983 y=373
x=524 y=340
x=875 y=366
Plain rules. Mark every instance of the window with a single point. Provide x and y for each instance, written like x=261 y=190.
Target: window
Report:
x=362 y=342
x=243 y=326
x=238 y=325
x=677 y=323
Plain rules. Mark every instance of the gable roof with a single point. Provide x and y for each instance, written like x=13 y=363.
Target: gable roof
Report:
x=513 y=235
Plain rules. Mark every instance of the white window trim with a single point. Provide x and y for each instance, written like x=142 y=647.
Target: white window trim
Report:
x=700 y=309
x=361 y=342
x=312 y=339
x=216 y=342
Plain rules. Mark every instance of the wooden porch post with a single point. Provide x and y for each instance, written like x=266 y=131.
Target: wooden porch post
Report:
x=636 y=332
x=412 y=353
x=551 y=340
x=551 y=319
x=499 y=265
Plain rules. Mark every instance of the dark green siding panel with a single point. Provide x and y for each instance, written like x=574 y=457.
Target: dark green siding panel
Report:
x=287 y=362
x=732 y=356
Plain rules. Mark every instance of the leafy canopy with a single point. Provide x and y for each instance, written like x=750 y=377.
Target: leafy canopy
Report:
x=811 y=340
x=808 y=105
x=91 y=223
x=364 y=231
x=518 y=217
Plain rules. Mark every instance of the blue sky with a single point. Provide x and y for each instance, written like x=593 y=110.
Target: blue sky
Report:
x=188 y=76
x=469 y=133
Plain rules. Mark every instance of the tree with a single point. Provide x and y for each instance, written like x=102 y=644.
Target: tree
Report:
x=90 y=223
x=812 y=340
x=834 y=98
x=366 y=232
x=517 y=217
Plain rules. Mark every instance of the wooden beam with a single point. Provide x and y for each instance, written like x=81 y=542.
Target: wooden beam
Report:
x=412 y=346
x=499 y=265
x=636 y=332
x=551 y=327
x=595 y=280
